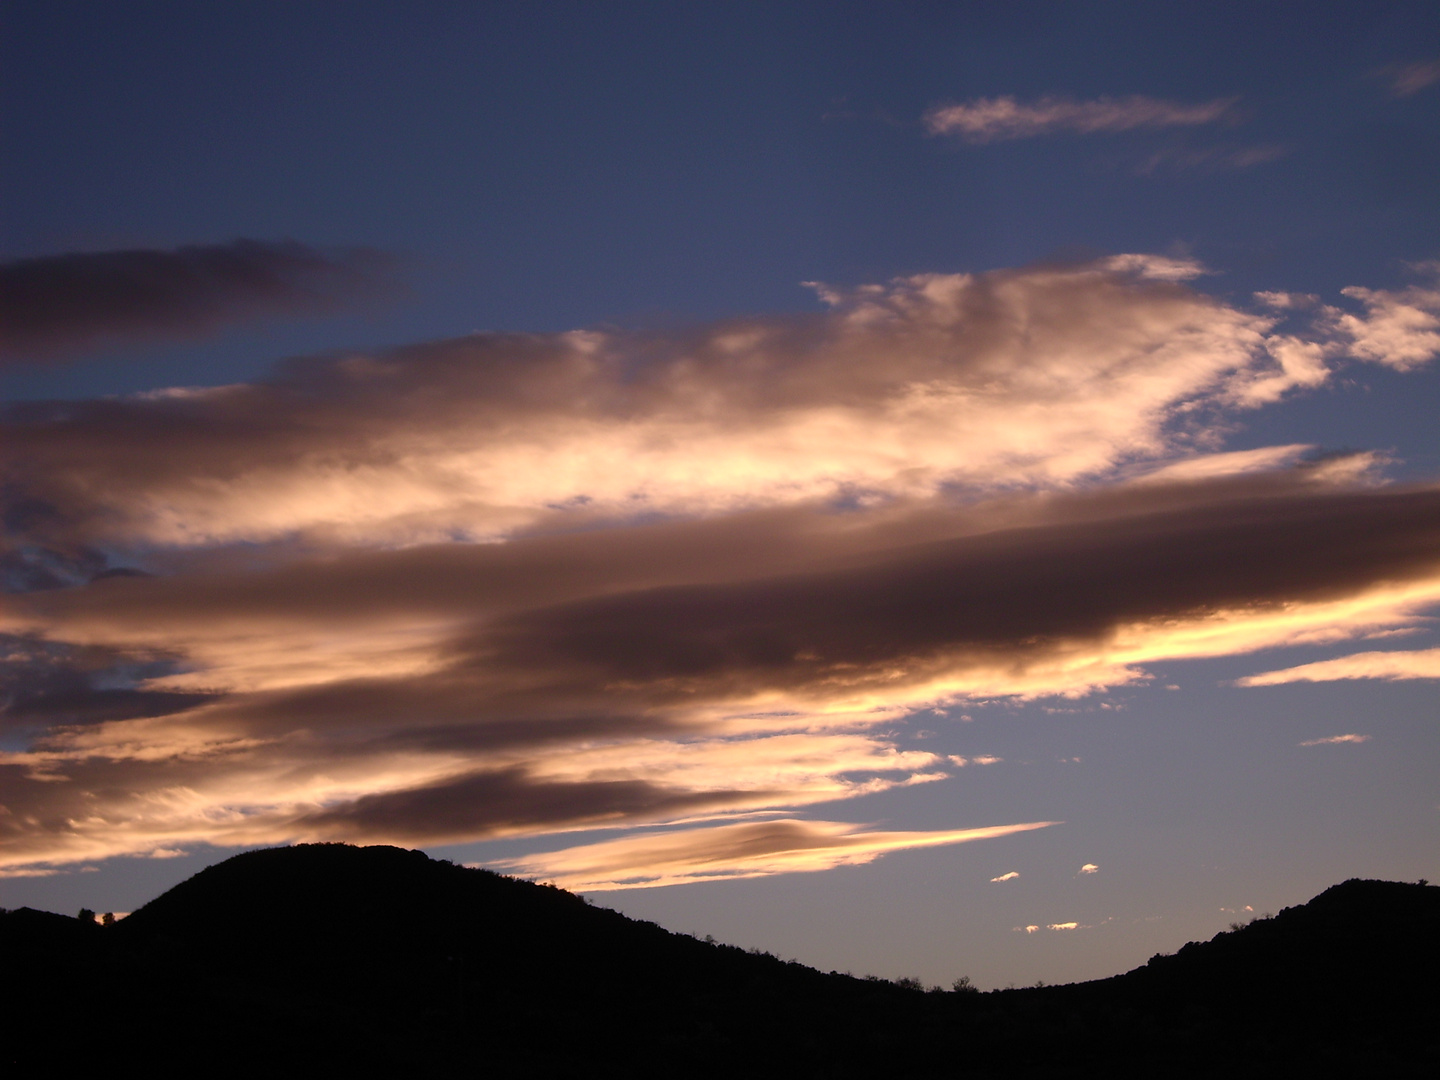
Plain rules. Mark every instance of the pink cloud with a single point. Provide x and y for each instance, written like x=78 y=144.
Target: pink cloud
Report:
x=992 y=119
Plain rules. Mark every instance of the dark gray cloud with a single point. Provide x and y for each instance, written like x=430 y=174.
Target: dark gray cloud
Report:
x=1009 y=594
x=492 y=803
x=57 y=306
x=46 y=684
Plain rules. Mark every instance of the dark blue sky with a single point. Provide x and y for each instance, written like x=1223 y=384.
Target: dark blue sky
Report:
x=546 y=167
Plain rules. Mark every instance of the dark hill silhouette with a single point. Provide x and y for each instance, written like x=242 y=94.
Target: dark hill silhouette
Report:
x=371 y=960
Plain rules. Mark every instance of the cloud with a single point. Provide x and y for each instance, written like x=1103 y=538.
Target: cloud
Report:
x=1335 y=740
x=526 y=585
x=1407 y=79
x=1211 y=158
x=1063 y=926
x=504 y=803
x=338 y=707
x=724 y=852
x=1420 y=664
x=1011 y=876
x=1400 y=330
x=1043 y=377
x=993 y=119
x=56 y=306
x=1088 y=868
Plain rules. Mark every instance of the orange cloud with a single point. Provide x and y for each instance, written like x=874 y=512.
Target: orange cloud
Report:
x=1039 y=377
x=752 y=849
x=1420 y=664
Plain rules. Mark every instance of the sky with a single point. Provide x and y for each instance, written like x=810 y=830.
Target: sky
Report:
x=920 y=489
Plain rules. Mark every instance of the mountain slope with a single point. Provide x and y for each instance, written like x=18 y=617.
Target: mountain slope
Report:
x=367 y=960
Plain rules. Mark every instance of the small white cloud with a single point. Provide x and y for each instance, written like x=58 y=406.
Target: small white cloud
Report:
x=989 y=119
x=1155 y=267
x=1334 y=740
x=981 y=759
x=1287 y=301
x=1089 y=868
x=1062 y=926
x=1011 y=876
x=1030 y=929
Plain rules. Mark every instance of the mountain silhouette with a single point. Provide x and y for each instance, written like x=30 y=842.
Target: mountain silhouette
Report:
x=372 y=960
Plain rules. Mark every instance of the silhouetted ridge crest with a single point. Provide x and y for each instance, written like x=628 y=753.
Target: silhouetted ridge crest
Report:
x=327 y=957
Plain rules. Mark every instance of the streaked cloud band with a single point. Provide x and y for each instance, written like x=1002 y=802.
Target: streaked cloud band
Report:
x=720 y=853
x=1419 y=664
x=994 y=119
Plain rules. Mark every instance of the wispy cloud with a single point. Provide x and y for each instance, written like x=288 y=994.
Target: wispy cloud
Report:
x=56 y=306
x=1011 y=876
x=1088 y=868
x=994 y=119
x=1210 y=158
x=1419 y=664
x=1336 y=740
x=1407 y=79
x=724 y=852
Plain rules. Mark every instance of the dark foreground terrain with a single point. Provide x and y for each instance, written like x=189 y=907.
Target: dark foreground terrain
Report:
x=335 y=960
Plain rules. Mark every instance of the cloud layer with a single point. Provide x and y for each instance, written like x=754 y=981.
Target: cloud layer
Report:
x=519 y=585
x=1042 y=377
x=57 y=306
